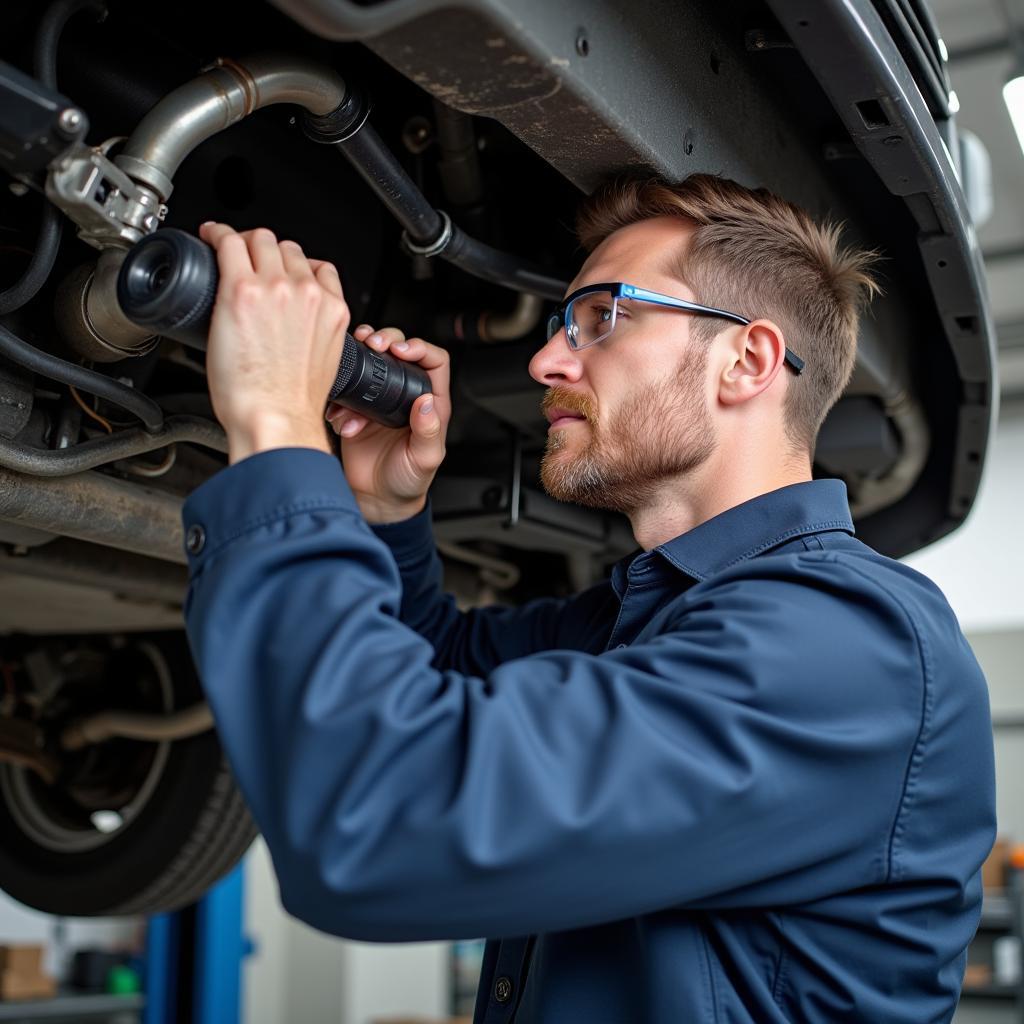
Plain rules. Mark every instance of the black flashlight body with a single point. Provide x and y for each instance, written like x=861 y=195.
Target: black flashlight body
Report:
x=168 y=283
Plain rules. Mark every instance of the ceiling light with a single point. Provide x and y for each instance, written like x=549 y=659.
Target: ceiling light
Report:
x=1013 y=94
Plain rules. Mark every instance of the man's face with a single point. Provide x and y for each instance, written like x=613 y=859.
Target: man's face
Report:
x=632 y=411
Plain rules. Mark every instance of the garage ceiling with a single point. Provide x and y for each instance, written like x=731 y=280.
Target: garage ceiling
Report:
x=981 y=36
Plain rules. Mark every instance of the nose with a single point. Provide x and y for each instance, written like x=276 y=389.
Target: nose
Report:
x=556 y=363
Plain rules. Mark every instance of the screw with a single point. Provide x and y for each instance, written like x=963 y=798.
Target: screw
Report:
x=18 y=188
x=582 y=43
x=70 y=120
x=892 y=140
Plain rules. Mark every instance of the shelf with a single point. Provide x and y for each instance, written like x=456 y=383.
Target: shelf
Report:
x=991 y=991
x=996 y=910
x=72 y=1006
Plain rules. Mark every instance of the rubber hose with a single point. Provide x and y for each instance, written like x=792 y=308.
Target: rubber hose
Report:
x=32 y=358
x=44 y=54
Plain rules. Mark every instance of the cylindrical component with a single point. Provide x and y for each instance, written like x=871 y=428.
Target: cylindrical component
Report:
x=380 y=169
x=168 y=283
x=44 y=254
x=459 y=165
x=88 y=317
x=136 y=725
x=100 y=451
x=216 y=100
x=51 y=27
x=96 y=508
x=32 y=358
x=491 y=264
x=72 y=561
x=516 y=324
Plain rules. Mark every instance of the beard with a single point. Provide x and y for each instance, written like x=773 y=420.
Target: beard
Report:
x=656 y=433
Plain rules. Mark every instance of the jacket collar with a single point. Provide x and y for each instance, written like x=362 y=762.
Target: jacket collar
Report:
x=758 y=525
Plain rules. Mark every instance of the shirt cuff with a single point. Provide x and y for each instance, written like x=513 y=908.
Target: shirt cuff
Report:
x=258 y=490
x=409 y=538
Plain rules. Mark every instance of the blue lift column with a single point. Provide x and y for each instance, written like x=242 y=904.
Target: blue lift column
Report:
x=220 y=948
x=219 y=945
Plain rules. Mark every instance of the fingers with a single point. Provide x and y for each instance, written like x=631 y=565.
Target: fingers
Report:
x=265 y=252
x=344 y=422
x=294 y=261
x=327 y=275
x=232 y=253
x=265 y=255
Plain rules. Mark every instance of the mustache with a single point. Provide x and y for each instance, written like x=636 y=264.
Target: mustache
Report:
x=572 y=401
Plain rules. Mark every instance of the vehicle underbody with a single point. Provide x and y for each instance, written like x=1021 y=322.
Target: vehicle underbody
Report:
x=501 y=114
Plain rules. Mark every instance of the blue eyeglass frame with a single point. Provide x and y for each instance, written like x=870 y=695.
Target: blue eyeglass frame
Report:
x=562 y=316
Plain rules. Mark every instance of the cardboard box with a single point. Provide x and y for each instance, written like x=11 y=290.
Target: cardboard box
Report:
x=977 y=976
x=26 y=986
x=21 y=959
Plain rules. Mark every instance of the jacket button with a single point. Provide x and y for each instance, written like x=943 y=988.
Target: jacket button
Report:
x=195 y=539
x=503 y=989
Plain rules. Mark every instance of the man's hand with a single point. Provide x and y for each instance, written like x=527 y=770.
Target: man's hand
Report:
x=388 y=469
x=275 y=341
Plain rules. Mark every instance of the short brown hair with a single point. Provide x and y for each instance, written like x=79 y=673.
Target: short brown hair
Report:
x=756 y=254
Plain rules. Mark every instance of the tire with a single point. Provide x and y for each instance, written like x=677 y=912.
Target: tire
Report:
x=184 y=822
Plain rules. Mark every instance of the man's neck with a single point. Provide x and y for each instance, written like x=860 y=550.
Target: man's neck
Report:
x=719 y=484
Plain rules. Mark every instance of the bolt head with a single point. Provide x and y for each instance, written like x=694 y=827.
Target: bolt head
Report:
x=70 y=120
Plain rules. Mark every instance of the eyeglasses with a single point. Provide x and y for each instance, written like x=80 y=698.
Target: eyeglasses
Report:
x=589 y=314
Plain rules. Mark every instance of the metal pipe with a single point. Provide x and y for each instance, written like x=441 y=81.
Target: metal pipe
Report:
x=96 y=508
x=515 y=324
x=72 y=561
x=217 y=99
x=135 y=725
x=124 y=444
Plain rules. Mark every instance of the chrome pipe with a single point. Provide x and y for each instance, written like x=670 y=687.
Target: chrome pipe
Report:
x=217 y=99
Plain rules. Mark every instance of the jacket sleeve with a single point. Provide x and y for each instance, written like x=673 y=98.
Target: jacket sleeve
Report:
x=478 y=640
x=402 y=802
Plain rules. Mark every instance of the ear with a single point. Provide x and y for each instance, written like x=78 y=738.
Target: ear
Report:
x=755 y=356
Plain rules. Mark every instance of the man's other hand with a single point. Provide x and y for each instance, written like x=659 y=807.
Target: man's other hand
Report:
x=390 y=469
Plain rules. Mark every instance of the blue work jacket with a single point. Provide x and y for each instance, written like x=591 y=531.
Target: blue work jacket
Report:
x=747 y=779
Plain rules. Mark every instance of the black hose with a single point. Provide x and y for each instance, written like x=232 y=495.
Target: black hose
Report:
x=424 y=226
x=490 y=264
x=44 y=54
x=32 y=358
x=101 y=450
x=43 y=257
x=380 y=169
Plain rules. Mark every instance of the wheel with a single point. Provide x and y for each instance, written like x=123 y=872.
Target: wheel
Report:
x=128 y=827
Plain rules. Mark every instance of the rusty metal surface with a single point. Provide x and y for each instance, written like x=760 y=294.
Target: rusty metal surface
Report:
x=96 y=508
x=102 y=450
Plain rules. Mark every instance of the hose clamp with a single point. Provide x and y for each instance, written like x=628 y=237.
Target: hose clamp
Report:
x=340 y=124
x=436 y=247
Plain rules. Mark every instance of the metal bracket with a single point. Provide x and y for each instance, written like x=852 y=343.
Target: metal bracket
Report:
x=106 y=204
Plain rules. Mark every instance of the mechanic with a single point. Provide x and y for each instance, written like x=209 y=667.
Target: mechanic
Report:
x=749 y=778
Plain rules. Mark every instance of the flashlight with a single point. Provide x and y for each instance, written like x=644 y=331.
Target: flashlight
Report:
x=168 y=283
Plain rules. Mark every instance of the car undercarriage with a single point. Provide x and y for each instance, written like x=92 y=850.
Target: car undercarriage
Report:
x=470 y=131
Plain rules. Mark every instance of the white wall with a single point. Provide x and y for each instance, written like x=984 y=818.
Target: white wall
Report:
x=980 y=567
x=305 y=977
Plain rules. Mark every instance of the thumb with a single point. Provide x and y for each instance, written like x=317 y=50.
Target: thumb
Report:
x=426 y=443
